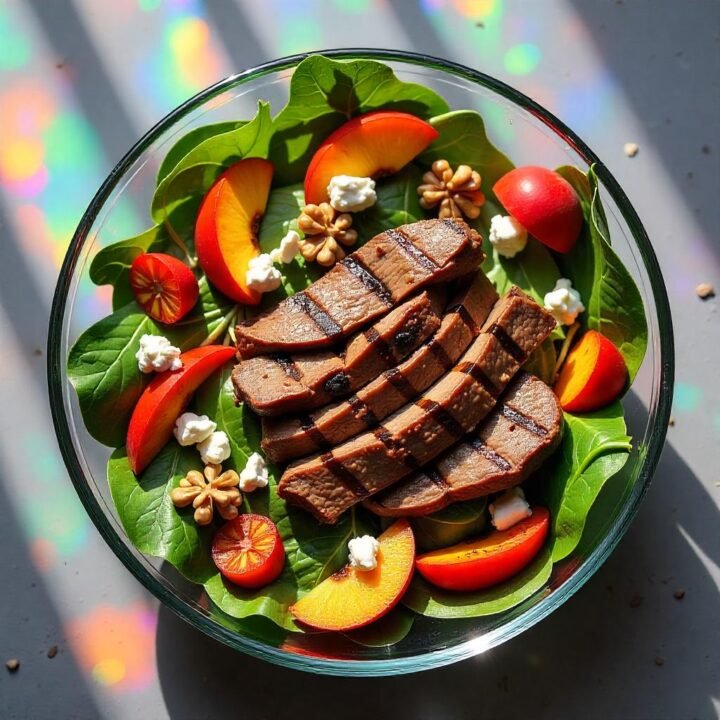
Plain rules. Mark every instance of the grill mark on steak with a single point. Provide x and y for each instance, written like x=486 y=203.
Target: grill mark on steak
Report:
x=435 y=477
x=527 y=422
x=465 y=316
x=452 y=225
x=387 y=439
x=479 y=446
x=438 y=413
x=287 y=364
x=361 y=411
x=319 y=316
x=309 y=426
x=439 y=352
x=509 y=345
x=477 y=373
x=411 y=250
x=348 y=480
x=378 y=344
x=368 y=279
x=400 y=383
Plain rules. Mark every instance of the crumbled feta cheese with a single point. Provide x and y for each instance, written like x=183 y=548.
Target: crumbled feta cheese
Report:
x=156 y=354
x=191 y=429
x=254 y=475
x=351 y=194
x=563 y=302
x=289 y=248
x=261 y=275
x=507 y=235
x=215 y=448
x=363 y=552
x=508 y=509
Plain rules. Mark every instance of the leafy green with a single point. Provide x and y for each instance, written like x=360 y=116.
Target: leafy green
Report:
x=612 y=300
x=149 y=517
x=463 y=140
x=542 y=362
x=434 y=602
x=450 y=525
x=102 y=365
x=197 y=170
x=385 y=632
x=190 y=141
x=595 y=446
x=324 y=93
x=397 y=203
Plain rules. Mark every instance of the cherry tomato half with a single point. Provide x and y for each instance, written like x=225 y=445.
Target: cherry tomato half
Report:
x=544 y=203
x=164 y=287
x=248 y=551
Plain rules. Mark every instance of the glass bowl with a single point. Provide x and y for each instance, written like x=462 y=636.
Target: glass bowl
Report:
x=526 y=132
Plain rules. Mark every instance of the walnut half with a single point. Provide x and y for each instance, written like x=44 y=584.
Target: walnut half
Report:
x=325 y=234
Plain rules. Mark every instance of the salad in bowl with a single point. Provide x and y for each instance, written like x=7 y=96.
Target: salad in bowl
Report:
x=363 y=371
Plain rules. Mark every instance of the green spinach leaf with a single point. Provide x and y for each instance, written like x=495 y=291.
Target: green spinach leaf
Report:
x=324 y=93
x=386 y=631
x=102 y=365
x=151 y=521
x=463 y=140
x=431 y=601
x=595 y=446
x=198 y=169
x=612 y=300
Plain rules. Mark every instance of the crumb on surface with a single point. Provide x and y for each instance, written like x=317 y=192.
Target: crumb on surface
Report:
x=52 y=651
x=705 y=291
x=631 y=149
x=679 y=594
x=659 y=661
x=13 y=665
x=671 y=421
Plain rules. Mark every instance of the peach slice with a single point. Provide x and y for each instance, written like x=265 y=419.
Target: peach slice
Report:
x=164 y=399
x=227 y=226
x=593 y=375
x=371 y=145
x=353 y=598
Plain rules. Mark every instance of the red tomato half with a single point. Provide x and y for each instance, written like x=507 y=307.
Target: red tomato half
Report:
x=164 y=287
x=544 y=203
x=248 y=551
x=489 y=560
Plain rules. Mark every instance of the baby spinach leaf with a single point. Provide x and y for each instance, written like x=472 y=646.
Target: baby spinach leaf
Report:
x=450 y=525
x=463 y=140
x=431 y=601
x=612 y=300
x=324 y=93
x=397 y=203
x=102 y=365
x=197 y=170
x=281 y=214
x=386 y=631
x=541 y=362
x=595 y=446
x=153 y=524
x=190 y=141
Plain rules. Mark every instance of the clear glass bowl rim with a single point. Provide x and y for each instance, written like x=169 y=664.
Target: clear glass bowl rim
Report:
x=392 y=666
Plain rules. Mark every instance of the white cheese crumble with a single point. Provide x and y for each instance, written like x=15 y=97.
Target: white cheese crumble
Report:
x=262 y=275
x=255 y=474
x=507 y=235
x=351 y=194
x=508 y=509
x=215 y=448
x=363 y=552
x=156 y=354
x=563 y=302
x=191 y=429
x=289 y=248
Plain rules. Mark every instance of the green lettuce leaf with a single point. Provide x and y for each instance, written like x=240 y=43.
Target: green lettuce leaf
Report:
x=612 y=300
x=385 y=632
x=324 y=93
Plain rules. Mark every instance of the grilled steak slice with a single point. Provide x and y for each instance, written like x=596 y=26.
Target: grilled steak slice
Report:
x=365 y=285
x=288 y=438
x=511 y=443
x=330 y=483
x=273 y=385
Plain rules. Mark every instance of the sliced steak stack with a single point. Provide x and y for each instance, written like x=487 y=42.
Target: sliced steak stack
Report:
x=288 y=438
x=327 y=484
x=277 y=384
x=364 y=286
x=507 y=447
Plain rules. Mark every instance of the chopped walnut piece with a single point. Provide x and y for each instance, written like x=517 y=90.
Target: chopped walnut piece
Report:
x=326 y=232
x=208 y=490
x=457 y=192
